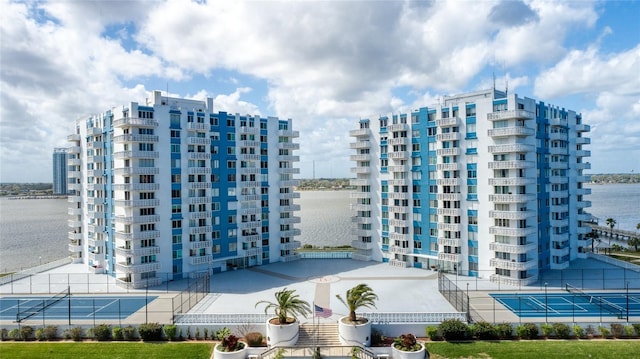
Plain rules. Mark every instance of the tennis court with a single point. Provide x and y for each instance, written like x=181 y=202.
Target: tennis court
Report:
x=73 y=307
x=573 y=303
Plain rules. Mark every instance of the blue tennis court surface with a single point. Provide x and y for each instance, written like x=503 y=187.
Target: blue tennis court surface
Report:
x=74 y=307
x=568 y=304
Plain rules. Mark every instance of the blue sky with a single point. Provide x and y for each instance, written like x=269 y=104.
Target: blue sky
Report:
x=324 y=64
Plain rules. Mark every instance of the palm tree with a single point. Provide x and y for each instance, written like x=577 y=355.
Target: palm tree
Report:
x=611 y=223
x=634 y=241
x=593 y=235
x=360 y=296
x=287 y=305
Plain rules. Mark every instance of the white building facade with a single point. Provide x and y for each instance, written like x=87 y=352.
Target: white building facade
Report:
x=171 y=189
x=484 y=184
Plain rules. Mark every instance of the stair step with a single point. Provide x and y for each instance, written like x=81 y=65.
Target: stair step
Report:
x=320 y=334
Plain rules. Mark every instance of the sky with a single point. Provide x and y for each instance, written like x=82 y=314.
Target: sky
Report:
x=324 y=64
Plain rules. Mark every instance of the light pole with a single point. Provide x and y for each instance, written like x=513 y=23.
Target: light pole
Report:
x=40 y=258
x=546 y=307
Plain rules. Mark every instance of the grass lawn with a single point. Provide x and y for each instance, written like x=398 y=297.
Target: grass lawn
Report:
x=570 y=349
x=111 y=350
x=618 y=349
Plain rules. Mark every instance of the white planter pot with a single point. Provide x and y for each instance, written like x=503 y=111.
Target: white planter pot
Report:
x=239 y=354
x=282 y=334
x=401 y=354
x=354 y=333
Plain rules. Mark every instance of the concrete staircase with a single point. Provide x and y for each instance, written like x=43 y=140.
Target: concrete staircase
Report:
x=322 y=335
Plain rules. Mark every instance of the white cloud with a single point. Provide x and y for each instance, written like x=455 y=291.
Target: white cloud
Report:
x=324 y=64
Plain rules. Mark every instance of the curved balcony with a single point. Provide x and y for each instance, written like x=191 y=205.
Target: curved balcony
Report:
x=198 y=127
x=511 y=198
x=201 y=259
x=135 y=122
x=398 y=127
x=361 y=157
x=288 y=146
x=135 y=154
x=290 y=246
x=290 y=233
x=192 y=140
x=448 y=151
x=511 y=214
x=449 y=211
x=290 y=220
x=74 y=138
x=453 y=242
x=198 y=156
x=583 y=141
x=360 y=170
x=145 y=251
x=448 y=166
x=449 y=196
x=75 y=247
x=361 y=132
x=398 y=155
x=290 y=208
x=200 y=230
x=450 y=136
x=511 y=131
x=448 y=122
x=512 y=265
x=137 y=268
x=500 y=165
x=583 y=128
x=511 y=181
x=511 y=114
x=201 y=244
x=289 y=133
x=398 y=141
x=137 y=235
x=136 y=219
x=128 y=138
x=296 y=170
x=511 y=232
x=399 y=195
x=449 y=227
x=136 y=187
x=399 y=250
x=449 y=257
x=512 y=248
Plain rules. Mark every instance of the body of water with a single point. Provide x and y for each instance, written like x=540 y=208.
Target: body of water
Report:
x=35 y=231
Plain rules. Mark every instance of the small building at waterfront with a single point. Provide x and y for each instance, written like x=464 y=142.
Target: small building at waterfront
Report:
x=169 y=189
x=483 y=184
x=60 y=171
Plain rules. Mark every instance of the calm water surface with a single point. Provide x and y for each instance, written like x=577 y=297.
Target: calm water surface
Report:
x=34 y=231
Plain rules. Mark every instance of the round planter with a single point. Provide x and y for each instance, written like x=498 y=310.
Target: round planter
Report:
x=354 y=333
x=282 y=334
x=401 y=354
x=238 y=354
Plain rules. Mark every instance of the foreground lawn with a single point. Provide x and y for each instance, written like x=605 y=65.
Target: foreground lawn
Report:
x=113 y=350
x=619 y=349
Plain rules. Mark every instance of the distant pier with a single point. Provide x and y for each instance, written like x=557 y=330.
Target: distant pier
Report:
x=616 y=234
x=38 y=197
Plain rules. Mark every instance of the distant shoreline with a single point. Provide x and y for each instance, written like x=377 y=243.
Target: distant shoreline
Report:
x=34 y=197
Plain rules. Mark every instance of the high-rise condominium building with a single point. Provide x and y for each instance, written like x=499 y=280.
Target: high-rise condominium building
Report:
x=59 y=171
x=485 y=184
x=171 y=189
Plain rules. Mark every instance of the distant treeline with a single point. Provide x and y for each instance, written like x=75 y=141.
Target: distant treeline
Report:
x=324 y=184
x=616 y=178
x=26 y=189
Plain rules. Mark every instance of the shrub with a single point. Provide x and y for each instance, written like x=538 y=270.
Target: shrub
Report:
x=206 y=333
x=578 y=331
x=75 y=334
x=230 y=344
x=407 y=343
x=254 y=339
x=197 y=333
x=432 y=333
x=527 y=331
x=102 y=332
x=14 y=334
x=636 y=327
x=26 y=333
x=504 y=330
x=454 y=329
x=547 y=329
x=150 y=332
x=4 y=334
x=40 y=334
x=170 y=331
x=603 y=331
x=220 y=333
x=51 y=332
x=628 y=330
x=590 y=331
x=117 y=334
x=484 y=331
x=561 y=330
x=189 y=333
x=617 y=330
x=129 y=333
